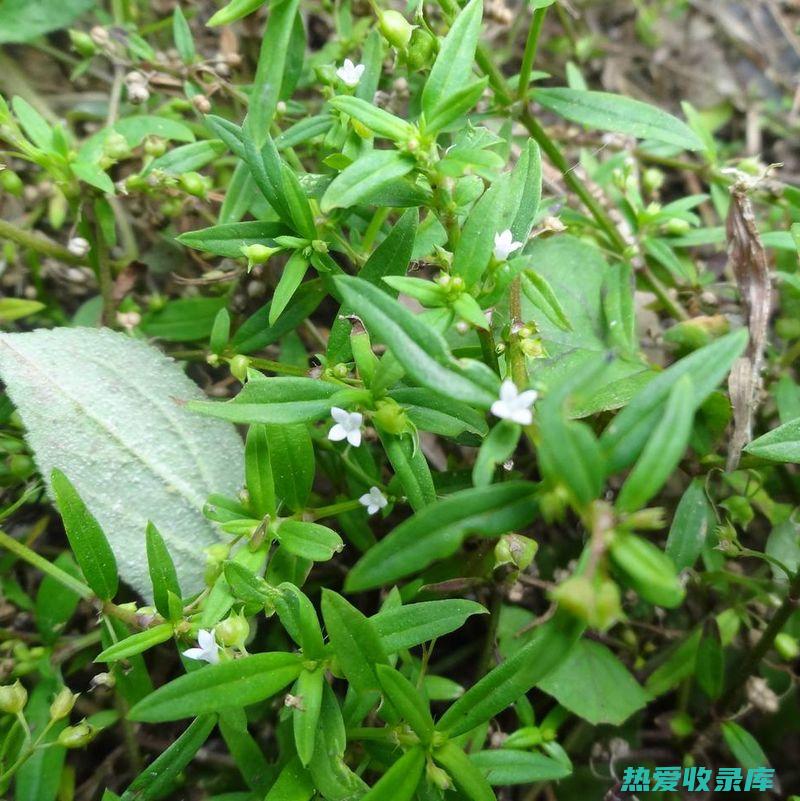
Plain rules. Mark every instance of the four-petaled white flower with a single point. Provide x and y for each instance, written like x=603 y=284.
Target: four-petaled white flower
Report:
x=348 y=426
x=350 y=73
x=374 y=500
x=514 y=405
x=208 y=650
x=504 y=245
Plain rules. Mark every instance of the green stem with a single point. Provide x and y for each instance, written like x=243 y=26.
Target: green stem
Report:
x=529 y=56
x=37 y=243
x=332 y=510
x=33 y=558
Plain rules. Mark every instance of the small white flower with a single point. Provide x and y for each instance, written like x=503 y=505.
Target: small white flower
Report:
x=350 y=73
x=514 y=405
x=374 y=500
x=78 y=246
x=504 y=245
x=347 y=426
x=208 y=650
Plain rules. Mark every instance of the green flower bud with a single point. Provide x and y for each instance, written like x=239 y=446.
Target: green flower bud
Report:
x=62 y=703
x=438 y=777
x=516 y=550
x=194 y=183
x=239 y=366
x=653 y=179
x=677 y=227
x=390 y=417
x=395 y=28
x=258 y=254
x=116 y=147
x=82 y=43
x=155 y=146
x=13 y=698
x=421 y=49
x=787 y=646
x=233 y=631
x=681 y=725
x=11 y=182
x=77 y=736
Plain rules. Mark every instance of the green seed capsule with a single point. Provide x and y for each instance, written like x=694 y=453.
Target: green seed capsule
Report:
x=82 y=43
x=194 y=183
x=62 y=703
x=787 y=646
x=13 y=698
x=396 y=29
x=239 y=366
x=421 y=49
x=11 y=182
x=77 y=736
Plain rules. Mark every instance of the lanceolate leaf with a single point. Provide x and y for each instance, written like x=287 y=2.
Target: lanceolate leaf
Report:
x=365 y=176
x=101 y=407
x=421 y=351
x=86 y=538
x=780 y=445
x=610 y=112
x=215 y=687
x=401 y=780
x=162 y=570
x=437 y=530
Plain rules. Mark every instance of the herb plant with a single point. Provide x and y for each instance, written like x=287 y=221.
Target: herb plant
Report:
x=468 y=471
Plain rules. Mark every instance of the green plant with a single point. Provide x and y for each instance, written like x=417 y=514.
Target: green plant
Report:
x=471 y=517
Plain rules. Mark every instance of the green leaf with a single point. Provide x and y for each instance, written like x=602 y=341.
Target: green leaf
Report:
x=743 y=746
x=136 y=643
x=454 y=106
x=187 y=158
x=410 y=466
x=215 y=687
x=229 y=239
x=410 y=625
x=690 y=526
x=407 y=701
x=309 y=540
x=183 y=320
x=259 y=478
x=369 y=174
x=782 y=444
x=36 y=128
x=593 y=684
x=182 y=36
x=627 y=433
x=429 y=411
x=22 y=21
x=505 y=766
x=158 y=777
x=525 y=191
x=421 y=351
x=663 y=451
x=293 y=464
x=355 y=642
x=293 y=784
x=437 y=531
x=496 y=448
x=290 y=280
x=246 y=752
x=92 y=174
x=610 y=112
x=162 y=570
x=550 y=645
x=710 y=661
x=541 y=295
x=466 y=776
x=647 y=569
x=305 y=718
x=274 y=400
x=401 y=780
x=17 y=308
x=452 y=69
x=233 y=11
x=380 y=122
x=86 y=538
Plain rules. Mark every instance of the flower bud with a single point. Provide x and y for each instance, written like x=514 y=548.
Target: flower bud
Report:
x=82 y=43
x=787 y=646
x=102 y=680
x=421 y=49
x=653 y=179
x=155 y=146
x=258 y=254
x=62 y=703
x=677 y=227
x=77 y=736
x=194 y=183
x=11 y=182
x=13 y=698
x=201 y=103
x=78 y=246
x=395 y=28
x=516 y=550
x=233 y=631
x=239 y=365
x=115 y=146
x=390 y=417
x=100 y=36
x=438 y=777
